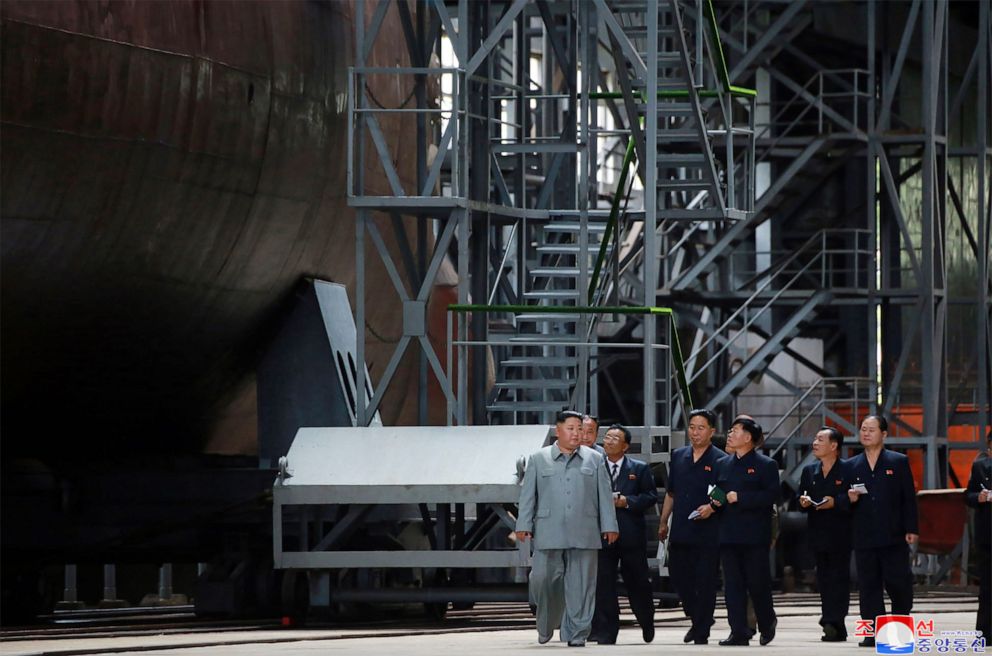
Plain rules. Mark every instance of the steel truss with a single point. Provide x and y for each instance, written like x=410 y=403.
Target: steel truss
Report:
x=532 y=174
x=529 y=179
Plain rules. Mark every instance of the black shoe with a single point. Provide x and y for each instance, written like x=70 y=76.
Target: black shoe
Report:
x=690 y=635
x=735 y=641
x=647 y=632
x=768 y=636
x=576 y=643
x=700 y=641
x=867 y=642
x=832 y=633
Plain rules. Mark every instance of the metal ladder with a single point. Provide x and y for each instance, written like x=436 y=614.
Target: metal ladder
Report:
x=536 y=374
x=686 y=159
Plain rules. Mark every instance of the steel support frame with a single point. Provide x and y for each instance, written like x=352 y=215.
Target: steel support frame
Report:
x=930 y=19
x=925 y=27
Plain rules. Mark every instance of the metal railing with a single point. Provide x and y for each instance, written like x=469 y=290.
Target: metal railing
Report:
x=667 y=373
x=770 y=288
x=368 y=146
x=821 y=86
x=852 y=398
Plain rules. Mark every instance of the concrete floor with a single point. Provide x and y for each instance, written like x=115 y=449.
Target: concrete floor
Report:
x=797 y=632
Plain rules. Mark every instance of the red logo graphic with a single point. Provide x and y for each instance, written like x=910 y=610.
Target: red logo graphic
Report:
x=837 y=482
x=924 y=629
x=750 y=470
x=864 y=628
x=888 y=472
x=707 y=468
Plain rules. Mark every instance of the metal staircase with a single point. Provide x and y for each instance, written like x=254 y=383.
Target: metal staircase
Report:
x=799 y=283
x=539 y=356
x=691 y=177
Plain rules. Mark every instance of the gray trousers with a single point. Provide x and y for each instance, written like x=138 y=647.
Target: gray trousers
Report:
x=563 y=587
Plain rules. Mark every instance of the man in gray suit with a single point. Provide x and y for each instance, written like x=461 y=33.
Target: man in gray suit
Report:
x=566 y=505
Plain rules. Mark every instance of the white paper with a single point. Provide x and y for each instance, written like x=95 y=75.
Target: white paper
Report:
x=694 y=514
x=860 y=487
x=661 y=556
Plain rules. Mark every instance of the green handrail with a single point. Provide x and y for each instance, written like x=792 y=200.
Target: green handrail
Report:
x=561 y=309
x=721 y=60
x=676 y=347
x=614 y=215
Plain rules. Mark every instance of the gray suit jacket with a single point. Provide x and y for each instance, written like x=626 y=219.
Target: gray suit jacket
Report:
x=566 y=503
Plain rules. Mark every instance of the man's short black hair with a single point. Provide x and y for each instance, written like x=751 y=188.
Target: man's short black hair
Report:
x=752 y=427
x=706 y=414
x=883 y=423
x=567 y=414
x=621 y=428
x=835 y=435
x=591 y=417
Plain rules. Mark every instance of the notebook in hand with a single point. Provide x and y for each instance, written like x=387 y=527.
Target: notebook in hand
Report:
x=717 y=494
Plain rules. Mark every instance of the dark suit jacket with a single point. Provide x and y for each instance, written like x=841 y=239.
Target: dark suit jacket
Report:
x=829 y=530
x=755 y=479
x=688 y=483
x=637 y=484
x=887 y=513
x=981 y=474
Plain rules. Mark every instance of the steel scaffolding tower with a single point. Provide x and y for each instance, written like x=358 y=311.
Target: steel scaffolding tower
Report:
x=520 y=173
x=578 y=157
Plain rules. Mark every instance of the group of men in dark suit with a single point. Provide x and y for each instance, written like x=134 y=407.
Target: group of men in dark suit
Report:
x=721 y=510
x=867 y=504
x=721 y=506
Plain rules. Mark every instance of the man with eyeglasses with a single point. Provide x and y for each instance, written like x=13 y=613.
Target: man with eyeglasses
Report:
x=634 y=493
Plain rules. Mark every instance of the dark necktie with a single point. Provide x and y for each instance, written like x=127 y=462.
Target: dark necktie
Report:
x=613 y=475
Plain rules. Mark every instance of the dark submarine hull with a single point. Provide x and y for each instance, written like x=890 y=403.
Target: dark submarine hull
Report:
x=170 y=170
